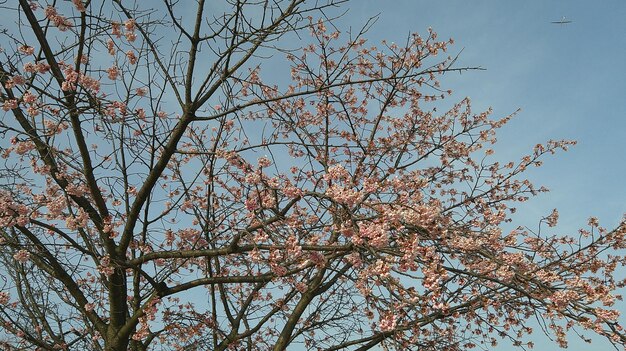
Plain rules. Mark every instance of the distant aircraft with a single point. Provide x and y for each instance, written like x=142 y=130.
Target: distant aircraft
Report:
x=562 y=21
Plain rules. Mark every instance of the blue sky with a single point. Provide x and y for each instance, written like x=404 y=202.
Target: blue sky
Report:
x=569 y=81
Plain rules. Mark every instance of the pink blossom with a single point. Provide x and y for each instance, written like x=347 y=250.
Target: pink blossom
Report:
x=59 y=21
x=68 y=86
x=121 y=107
x=278 y=270
x=380 y=269
x=28 y=97
x=33 y=111
x=343 y=195
x=129 y=25
x=141 y=113
x=26 y=50
x=55 y=206
x=54 y=127
x=264 y=162
x=374 y=234
x=387 y=322
x=50 y=11
x=253 y=178
x=4 y=298
x=23 y=147
x=81 y=220
x=132 y=58
x=321 y=26
x=608 y=315
x=355 y=259
x=110 y=47
x=14 y=81
x=337 y=172
x=22 y=256
x=251 y=204
x=80 y=7
x=84 y=59
x=29 y=67
x=292 y=192
x=9 y=104
x=255 y=255
x=105 y=266
x=112 y=72
x=553 y=218
x=318 y=259
x=90 y=83
x=130 y=36
x=143 y=331
x=370 y=184
x=116 y=29
x=42 y=67
x=301 y=287
x=293 y=248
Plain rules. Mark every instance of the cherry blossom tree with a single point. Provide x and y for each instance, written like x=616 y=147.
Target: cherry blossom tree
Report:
x=163 y=186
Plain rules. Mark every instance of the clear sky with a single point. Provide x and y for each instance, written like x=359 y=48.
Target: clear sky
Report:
x=568 y=79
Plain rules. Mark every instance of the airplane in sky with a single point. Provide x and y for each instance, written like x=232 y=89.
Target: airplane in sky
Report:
x=562 y=21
